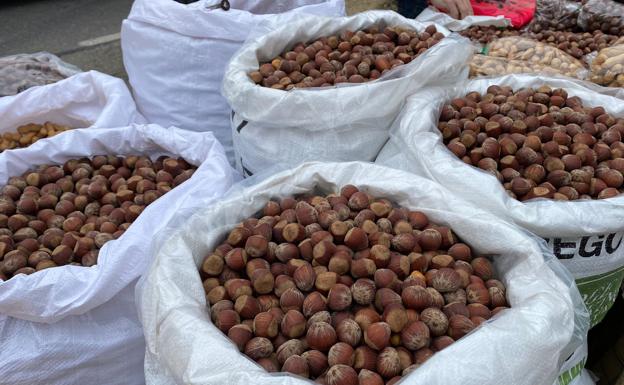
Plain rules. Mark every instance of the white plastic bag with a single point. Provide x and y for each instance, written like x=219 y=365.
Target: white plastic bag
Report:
x=587 y=236
x=342 y=123
x=524 y=345
x=88 y=99
x=175 y=55
x=22 y=71
x=78 y=325
x=431 y=15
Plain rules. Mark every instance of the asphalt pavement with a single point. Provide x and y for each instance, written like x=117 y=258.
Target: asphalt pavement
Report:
x=84 y=32
x=81 y=32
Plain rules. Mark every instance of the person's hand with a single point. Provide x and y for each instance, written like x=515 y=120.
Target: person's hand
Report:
x=457 y=9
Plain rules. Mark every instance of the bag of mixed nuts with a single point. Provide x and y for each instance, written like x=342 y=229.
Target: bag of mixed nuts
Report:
x=545 y=323
x=604 y=15
x=607 y=69
x=22 y=71
x=327 y=106
x=76 y=237
x=536 y=53
x=175 y=55
x=483 y=65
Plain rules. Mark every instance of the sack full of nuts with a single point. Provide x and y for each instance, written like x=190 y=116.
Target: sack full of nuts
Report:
x=88 y=99
x=175 y=55
x=604 y=15
x=557 y=15
x=329 y=88
x=483 y=65
x=80 y=212
x=22 y=71
x=607 y=68
x=353 y=273
x=562 y=179
x=536 y=53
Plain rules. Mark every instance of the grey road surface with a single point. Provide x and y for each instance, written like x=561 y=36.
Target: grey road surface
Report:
x=81 y=32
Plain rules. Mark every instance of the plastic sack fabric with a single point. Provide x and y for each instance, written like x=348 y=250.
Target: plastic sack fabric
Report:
x=607 y=68
x=175 y=56
x=22 y=71
x=560 y=15
x=341 y=123
x=587 y=236
x=604 y=15
x=536 y=53
x=79 y=325
x=483 y=65
x=88 y=99
x=431 y=15
x=546 y=314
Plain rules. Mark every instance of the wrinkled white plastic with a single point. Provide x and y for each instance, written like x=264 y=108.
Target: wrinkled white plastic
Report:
x=22 y=71
x=78 y=325
x=523 y=345
x=88 y=99
x=342 y=123
x=175 y=55
x=430 y=15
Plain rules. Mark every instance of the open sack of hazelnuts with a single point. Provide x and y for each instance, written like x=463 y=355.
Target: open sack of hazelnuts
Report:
x=381 y=55
x=547 y=154
x=362 y=304
x=79 y=212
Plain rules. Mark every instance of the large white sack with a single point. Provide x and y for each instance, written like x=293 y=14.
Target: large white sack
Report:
x=431 y=15
x=79 y=325
x=175 y=56
x=524 y=345
x=88 y=99
x=341 y=123
x=587 y=236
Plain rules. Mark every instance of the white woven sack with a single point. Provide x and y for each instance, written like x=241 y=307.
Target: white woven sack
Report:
x=431 y=15
x=79 y=325
x=87 y=99
x=175 y=56
x=546 y=323
x=341 y=123
x=587 y=236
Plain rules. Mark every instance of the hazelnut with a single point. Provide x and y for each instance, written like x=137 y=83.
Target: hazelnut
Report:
x=317 y=362
x=258 y=347
x=415 y=335
x=377 y=335
x=341 y=375
x=321 y=336
x=240 y=335
x=348 y=331
x=340 y=353
x=459 y=326
x=313 y=303
x=293 y=324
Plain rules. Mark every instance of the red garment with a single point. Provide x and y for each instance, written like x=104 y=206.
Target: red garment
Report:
x=520 y=12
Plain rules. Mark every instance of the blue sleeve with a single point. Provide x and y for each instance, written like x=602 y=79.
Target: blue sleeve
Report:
x=411 y=8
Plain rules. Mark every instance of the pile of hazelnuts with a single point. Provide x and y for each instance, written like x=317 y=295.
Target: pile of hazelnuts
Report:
x=576 y=44
x=346 y=289
x=540 y=143
x=350 y=57
x=57 y=215
x=486 y=34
